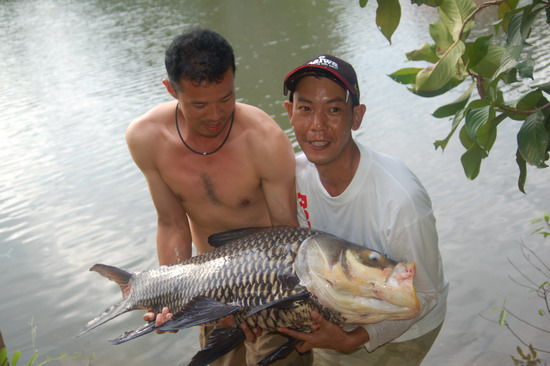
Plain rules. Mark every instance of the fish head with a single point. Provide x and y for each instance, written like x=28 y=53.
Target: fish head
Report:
x=361 y=284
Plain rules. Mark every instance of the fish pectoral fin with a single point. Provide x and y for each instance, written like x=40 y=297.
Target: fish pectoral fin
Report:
x=220 y=342
x=131 y=334
x=219 y=239
x=200 y=310
x=280 y=352
x=284 y=303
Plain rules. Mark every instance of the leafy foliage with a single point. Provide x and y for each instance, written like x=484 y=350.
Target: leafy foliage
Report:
x=489 y=65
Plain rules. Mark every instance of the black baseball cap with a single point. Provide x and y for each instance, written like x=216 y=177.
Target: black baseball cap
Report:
x=329 y=66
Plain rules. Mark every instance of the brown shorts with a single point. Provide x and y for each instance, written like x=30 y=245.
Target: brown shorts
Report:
x=250 y=353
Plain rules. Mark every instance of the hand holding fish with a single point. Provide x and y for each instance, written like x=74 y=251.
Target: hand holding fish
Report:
x=160 y=318
x=328 y=335
x=250 y=334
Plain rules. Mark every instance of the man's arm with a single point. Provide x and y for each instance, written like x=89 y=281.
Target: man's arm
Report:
x=325 y=334
x=277 y=170
x=173 y=234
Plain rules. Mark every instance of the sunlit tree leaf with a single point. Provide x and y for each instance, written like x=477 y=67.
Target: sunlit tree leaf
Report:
x=406 y=75
x=427 y=52
x=453 y=13
x=533 y=140
x=441 y=36
x=434 y=93
x=442 y=72
x=388 y=16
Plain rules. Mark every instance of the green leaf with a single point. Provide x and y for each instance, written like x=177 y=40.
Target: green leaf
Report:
x=502 y=317
x=471 y=161
x=453 y=13
x=434 y=78
x=506 y=6
x=544 y=87
x=3 y=356
x=477 y=50
x=15 y=358
x=533 y=140
x=454 y=107
x=388 y=15
x=509 y=60
x=433 y=3
x=527 y=102
x=441 y=36
x=406 y=75
x=434 y=93
x=33 y=359
x=490 y=63
x=426 y=52
x=514 y=30
x=459 y=116
x=527 y=20
x=478 y=126
x=525 y=68
x=363 y=3
x=522 y=165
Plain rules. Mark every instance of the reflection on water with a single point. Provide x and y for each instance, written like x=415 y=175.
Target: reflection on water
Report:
x=74 y=74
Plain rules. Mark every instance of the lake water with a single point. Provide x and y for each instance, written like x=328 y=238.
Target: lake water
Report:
x=73 y=74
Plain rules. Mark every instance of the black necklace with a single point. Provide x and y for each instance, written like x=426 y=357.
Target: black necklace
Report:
x=198 y=152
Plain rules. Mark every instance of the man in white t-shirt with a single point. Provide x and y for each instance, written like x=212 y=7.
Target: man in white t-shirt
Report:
x=366 y=197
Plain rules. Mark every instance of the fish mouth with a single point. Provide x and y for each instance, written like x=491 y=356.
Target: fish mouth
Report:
x=361 y=284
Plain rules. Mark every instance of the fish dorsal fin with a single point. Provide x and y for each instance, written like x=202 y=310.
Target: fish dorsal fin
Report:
x=200 y=310
x=219 y=239
x=120 y=276
x=283 y=303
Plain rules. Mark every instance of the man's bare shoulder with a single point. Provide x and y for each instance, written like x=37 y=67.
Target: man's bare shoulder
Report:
x=257 y=122
x=151 y=122
x=144 y=134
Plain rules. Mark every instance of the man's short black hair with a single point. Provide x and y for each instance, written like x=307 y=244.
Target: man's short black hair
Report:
x=198 y=55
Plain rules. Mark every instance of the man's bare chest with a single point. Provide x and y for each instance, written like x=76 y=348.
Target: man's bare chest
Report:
x=219 y=182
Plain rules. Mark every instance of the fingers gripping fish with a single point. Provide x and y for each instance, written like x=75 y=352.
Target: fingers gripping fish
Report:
x=269 y=278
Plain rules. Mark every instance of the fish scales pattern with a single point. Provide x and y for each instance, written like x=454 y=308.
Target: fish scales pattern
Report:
x=248 y=272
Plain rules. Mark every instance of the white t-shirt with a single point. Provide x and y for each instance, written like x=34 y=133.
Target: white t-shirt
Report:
x=387 y=209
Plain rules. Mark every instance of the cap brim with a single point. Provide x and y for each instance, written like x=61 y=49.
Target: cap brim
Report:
x=310 y=69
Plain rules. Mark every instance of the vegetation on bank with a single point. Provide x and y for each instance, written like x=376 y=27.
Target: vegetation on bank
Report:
x=489 y=66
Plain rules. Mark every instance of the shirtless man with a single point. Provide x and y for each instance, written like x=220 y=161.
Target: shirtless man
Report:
x=211 y=164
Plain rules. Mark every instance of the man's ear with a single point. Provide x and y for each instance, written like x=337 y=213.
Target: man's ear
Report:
x=170 y=88
x=358 y=113
x=288 y=107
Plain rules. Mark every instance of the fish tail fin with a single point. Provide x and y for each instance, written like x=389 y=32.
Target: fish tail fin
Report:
x=123 y=279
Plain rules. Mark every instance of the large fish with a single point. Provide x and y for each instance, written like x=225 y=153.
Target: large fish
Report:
x=269 y=278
